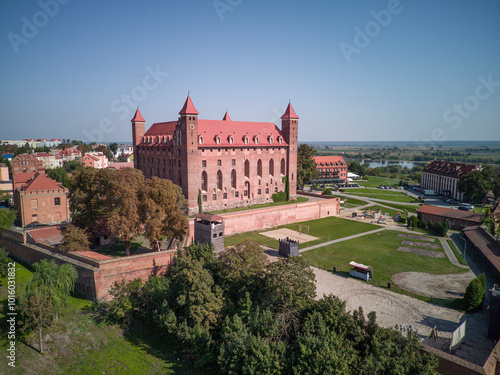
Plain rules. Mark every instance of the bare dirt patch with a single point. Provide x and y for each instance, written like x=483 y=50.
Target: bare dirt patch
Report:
x=420 y=238
x=421 y=244
x=424 y=252
x=288 y=233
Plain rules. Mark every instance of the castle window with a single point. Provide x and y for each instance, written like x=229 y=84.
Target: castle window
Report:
x=280 y=139
x=259 y=192
x=214 y=197
x=283 y=166
x=231 y=139
x=233 y=179
x=217 y=139
x=267 y=190
x=57 y=201
x=34 y=217
x=256 y=140
x=200 y=140
x=271 y=139
x=219 y=179
x=219 y=163
x=259 y=168
x=204 y=181
x=233 y=162
x=271 y=167
x=224 y=196
x=203 y=163
x=204 y=198
x=236 y=194
x=245 y=139
x=247 y=168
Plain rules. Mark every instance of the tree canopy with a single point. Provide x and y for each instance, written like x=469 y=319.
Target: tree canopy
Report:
x=306 y=167
x=74 y=239
x=477 y=183
x=238 y=313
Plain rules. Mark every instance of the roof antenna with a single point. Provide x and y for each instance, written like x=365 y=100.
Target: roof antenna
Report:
x=188 y=92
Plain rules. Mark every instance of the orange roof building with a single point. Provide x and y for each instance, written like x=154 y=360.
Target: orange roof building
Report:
x=41 y=200
x=331 y=168
x=232 y=163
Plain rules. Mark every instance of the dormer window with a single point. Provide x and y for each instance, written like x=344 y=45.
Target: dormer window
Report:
x=231 y=139
x=217 y=139
x=280 y=139
x=256 y=140
x=200 y=140
x=271 y=139
x=245 y=139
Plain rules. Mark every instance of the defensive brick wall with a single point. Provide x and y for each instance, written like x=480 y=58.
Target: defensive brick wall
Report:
x=95 y=277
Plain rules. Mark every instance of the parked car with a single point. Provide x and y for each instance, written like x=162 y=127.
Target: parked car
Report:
x=465 y=208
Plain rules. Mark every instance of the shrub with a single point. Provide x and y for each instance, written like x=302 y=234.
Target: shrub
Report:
x=327 y=191
x=280 y=196
x=412 y=222
x=474 y=294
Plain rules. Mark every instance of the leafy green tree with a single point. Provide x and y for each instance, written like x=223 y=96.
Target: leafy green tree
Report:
x=73 y=165
x=113 y=147
x=474 y=294
x=125 y=303
x=74 y=239
x=4 y=263
x=105 y=150
x=58 y=174
x=287 y=189
x=306 y=166
x=36 y=313
x=7 y=218
x=200 y=203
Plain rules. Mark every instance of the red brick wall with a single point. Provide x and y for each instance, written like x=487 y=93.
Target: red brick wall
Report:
x=42 y=204
x=243 y=221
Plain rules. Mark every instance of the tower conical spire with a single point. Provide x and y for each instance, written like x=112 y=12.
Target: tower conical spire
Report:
x=289 y=113
x=138 y=117
x=226 y=117
x=188 y=108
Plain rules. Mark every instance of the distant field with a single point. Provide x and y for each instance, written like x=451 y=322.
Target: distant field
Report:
x=327 y=229
x=389 y=195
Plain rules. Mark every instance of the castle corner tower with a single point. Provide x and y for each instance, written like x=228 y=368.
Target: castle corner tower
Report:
x=289 y=128
x=138 y=130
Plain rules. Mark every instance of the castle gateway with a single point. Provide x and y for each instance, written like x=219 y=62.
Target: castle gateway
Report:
x=229 y=163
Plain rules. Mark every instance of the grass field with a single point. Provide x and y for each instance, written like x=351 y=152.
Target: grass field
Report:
x=351 y=202
x=272 y=204
x=327 y=229
x=379 y=251
x=389 y=195
x=453 y=248
x=79 y=343
x=375 y=181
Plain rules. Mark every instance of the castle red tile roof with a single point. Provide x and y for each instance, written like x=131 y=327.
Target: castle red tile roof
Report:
x=451 y=213
x=23 y=177
x=121 y=165
x=289 y=113
x=226 y=117
x=449 y=169
x=326 y=161
x=161 y=128
x=49 y=236
x=188 y=108
x=41 y=182
x=138 y=116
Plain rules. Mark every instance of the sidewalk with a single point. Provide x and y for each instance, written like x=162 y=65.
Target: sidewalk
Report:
x=341 y=239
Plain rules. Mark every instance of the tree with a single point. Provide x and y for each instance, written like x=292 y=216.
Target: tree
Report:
x=287 y=189
x=125 y=303
x=123 y=219
x=74 y=239
x=113 y=147
x=47 y=294
x=59 y=174
x=474 y=294
x=306 y=166
x=477 y=183
x=7 y=218
x=4 y=263
x=200 y=203
x=106 y=151
x=160 y=211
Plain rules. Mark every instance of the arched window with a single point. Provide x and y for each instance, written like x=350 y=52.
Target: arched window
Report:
x=247 y=168
x=256 y=140
x=200 y=140
x=271 y=167
x=280 y=139
x=233 y=179
x=259 y=168
x=231 y=139
x=246 y=192
x=204 y=181
x=283 y=166
x=245 y=139
x=271 y=139
x=219 y=180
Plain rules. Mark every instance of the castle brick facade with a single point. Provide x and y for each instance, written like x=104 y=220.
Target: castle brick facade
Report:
x=229 y=163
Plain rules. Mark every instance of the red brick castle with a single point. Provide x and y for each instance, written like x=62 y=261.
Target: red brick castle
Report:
x=232 y=163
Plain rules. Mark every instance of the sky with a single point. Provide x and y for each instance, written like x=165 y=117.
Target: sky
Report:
x=353 y=70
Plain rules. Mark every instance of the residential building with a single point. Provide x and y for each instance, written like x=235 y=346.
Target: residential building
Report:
x=69 y=154
x=229 y=163
x=332 y=168
x=26 y=163
x=443 y=176
x=95 y=160
x=41 y=200
x=49 y=160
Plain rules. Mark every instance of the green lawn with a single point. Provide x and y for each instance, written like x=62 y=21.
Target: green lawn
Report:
x=327 y=229
x=118 y=250
x=453 y=248
x=379 y=251
x=389 y=195
x=375 y=181
x=272 y=204
x=80 y=343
